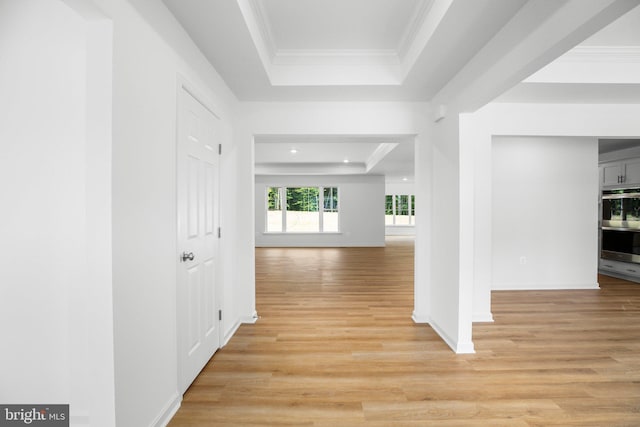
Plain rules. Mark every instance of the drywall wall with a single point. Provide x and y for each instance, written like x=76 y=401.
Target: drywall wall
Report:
x=591 y=120
x=147 y=69
x=55 y=230
x=399 y=188
x=361 y=211
x=544 y=204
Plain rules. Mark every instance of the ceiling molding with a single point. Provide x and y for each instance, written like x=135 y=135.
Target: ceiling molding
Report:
x=608 y=54
x=411 y=33
x=342 y=67
x=379 y=153
x=354 y=168
x=336 y=56
x=262 y=23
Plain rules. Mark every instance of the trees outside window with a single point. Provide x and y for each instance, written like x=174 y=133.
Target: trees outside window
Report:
x=302 y=209
x=400 y=209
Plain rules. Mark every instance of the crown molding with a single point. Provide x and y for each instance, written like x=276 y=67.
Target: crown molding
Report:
x=354 y=168
x=336 y=57
x=339 y=67
x=410 y=35
x=264 y=27
x=608 y=54
x=379 y=153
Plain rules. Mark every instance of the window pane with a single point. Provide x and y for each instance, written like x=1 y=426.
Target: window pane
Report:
x=330 y=216
x=274 y=209
x=303 y=214
x=388 y=210
x=402 y=210
x=413 y=209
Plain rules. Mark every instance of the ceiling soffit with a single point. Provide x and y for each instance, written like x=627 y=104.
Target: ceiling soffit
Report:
x=343 y=66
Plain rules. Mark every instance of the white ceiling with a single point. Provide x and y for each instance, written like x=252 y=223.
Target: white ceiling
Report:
x=382 y=50
x=340 y=50
x=338 y=24
x=391 y=156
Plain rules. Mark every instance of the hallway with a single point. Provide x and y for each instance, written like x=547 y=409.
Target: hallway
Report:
x=335 y=345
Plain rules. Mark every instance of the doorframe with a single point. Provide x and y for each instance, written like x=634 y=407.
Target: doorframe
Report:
x=185 y=87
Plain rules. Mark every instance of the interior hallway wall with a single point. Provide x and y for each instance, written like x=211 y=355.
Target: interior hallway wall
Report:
x=536 y=120
x=361 y=211
x=152 y=56
x=545 y=212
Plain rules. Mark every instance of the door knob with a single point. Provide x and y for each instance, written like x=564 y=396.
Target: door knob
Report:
x=187 y=256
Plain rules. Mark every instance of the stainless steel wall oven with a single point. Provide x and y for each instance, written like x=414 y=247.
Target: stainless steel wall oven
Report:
x=620 y=239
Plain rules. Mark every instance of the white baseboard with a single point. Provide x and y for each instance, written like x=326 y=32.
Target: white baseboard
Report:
x=483 y=317
x=243 y=320
x=420 y=318
x=543 y=286
x=457 y=347
x=168 y=411
x=229 y=334
x=250 y=319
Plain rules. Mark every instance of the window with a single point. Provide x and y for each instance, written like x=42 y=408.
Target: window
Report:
x=274 y=209
x=330 y=216
x=400 y=209
x=302 y=210
x=303 y=213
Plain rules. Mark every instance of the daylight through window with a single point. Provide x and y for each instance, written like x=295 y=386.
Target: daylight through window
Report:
x=302 y=210
x=400 y=209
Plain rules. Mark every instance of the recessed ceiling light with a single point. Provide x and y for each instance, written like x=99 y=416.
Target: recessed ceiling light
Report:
x=293 y=151
x=404 y=179
x=346 y=160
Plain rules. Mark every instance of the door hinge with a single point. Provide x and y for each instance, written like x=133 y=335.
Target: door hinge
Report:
x=219 y=314
x=220 y=149
x=219 y=232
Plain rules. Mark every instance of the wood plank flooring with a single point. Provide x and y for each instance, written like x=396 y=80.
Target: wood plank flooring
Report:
x=335 y=345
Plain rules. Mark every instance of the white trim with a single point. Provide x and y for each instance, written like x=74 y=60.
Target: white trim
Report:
x=543 y=286
x=410 y=35
x=242 y=320
x=186 y=86
x=605 y=54
x=168 y=411
x=264 y=27
x=457 y=347
x=483 y=317
x=420 y=318
x=230 y=334
x=251 y=319
x=379 y=153
x=335 y=57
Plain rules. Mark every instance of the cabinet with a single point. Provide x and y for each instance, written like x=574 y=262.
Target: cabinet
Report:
x=623 y=270
x=621 y=174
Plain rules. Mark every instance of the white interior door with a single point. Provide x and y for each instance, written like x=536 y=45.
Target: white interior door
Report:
x=198 y=221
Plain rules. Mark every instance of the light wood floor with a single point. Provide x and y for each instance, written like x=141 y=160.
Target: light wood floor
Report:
x=335 y=345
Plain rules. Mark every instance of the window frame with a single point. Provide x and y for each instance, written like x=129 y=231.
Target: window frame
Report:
x=282 y=189
x=395 y=198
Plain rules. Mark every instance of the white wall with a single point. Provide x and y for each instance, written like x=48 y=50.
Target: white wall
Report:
x=42 y=161
x=539 y=120
x=149 y=58
x=361 y=211
x=399 y=188
x=55 y=177
x=450 y=241
x=545 y=209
